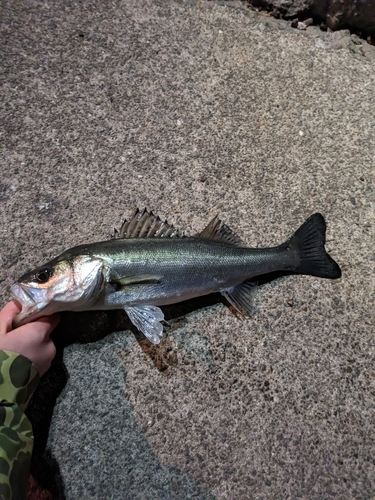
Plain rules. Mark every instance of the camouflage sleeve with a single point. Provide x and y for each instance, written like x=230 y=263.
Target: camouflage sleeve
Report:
x=18 y=380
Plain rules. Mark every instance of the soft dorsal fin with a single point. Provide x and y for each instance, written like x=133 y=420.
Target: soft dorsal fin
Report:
x=217 y=230
x=145 y=224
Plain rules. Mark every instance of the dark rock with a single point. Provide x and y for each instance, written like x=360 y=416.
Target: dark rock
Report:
x=275 y=13
x=351 y=14
x=294 y=23
x=293 y=8
x=336 y=14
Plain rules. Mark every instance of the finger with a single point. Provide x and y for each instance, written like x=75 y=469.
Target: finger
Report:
x=50 y=322
x=43 y=326
x=7 y=315
x=47 y=323
x=49 y=351
x=39 y=329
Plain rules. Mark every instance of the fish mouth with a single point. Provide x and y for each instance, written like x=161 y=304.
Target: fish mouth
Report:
x=31 y=303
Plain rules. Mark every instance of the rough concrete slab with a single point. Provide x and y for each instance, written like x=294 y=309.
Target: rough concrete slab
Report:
x=192 y=110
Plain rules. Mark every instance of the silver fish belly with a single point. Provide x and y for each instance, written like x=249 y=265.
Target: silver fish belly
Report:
x=149 y=264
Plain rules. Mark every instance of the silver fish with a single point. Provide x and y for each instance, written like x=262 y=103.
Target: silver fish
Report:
x=149 y=263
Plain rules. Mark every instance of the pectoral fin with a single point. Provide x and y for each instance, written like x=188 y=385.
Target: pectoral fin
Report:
x=147 y=320
x=139 y=279
x=240 y=296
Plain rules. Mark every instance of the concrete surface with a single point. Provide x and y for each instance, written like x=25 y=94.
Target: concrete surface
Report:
x=193 y=109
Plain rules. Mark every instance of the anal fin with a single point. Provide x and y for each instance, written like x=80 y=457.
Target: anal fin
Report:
x=147 y=319
x=240 y=296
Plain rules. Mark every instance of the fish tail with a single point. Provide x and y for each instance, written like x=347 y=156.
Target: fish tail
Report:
x=308 y=243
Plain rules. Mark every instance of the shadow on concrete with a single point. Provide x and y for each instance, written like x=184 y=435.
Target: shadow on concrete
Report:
x=88 y=327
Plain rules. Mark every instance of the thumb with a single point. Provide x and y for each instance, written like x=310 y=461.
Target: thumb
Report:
x=7 y=315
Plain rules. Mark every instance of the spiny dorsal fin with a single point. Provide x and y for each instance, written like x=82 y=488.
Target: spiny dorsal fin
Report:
x=145 y=224
x=217 y=230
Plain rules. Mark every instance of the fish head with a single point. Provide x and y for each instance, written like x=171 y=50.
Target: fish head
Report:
x=66 y=283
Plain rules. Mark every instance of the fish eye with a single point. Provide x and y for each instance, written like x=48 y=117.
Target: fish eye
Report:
x=43 y=275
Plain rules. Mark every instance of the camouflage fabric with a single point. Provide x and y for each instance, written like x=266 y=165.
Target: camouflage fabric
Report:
x=18 y=380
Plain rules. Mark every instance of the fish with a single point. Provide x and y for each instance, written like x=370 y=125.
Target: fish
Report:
x=149 y=263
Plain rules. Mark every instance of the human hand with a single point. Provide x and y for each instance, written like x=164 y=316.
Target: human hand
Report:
x=31 y=340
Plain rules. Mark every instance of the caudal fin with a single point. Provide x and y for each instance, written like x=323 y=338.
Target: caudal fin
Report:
x=309 y=241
